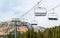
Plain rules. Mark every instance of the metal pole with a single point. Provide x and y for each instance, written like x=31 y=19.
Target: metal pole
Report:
x=15 y=29
x=15 y=20
x=7 y=33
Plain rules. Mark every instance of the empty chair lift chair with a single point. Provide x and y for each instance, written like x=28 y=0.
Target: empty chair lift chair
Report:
x=40 y=11
x=52 y=16
x=33 y=23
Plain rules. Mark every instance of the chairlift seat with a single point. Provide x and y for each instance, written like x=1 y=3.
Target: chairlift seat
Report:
x=33 y=24
x=53 y=19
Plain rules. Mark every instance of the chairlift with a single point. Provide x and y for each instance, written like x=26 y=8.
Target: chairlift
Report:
x=34 y=23
x=52 y=16
x=40 y=11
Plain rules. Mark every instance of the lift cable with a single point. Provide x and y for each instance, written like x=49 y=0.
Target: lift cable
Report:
x=55 y=16
x=36 y=5
x=31 y=8
x=54 y=8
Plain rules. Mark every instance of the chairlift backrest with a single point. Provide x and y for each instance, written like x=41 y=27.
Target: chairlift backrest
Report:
x=40 y=11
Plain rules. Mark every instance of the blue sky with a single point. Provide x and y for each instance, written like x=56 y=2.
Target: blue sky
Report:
x=16 y=8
